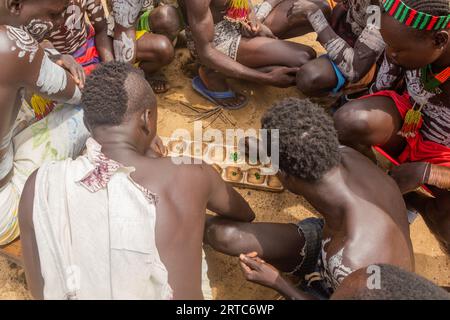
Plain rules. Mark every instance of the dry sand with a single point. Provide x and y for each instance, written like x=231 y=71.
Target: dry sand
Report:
x=226 y=279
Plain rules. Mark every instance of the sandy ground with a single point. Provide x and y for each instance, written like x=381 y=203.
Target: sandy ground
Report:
x=224 y=273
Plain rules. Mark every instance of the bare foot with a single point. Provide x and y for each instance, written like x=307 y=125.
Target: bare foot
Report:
x=214 y=81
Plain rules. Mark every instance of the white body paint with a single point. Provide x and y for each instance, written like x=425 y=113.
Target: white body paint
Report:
x=76 y=98
x=24 y=42
x=124 y=48
x=38 y=29
x=372 y=38
x=127 y=11
x=52 y=78
x=318 y=21
x=263 y=11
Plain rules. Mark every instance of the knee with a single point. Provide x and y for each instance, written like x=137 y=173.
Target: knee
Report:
x=305 y=56
x=166 y=21
x=163 y=50
x=220 y=234
x=309 y=80
x=352 y=123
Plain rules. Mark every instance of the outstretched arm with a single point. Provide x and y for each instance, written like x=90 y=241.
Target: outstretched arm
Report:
x=412 y=175
x=257 y=270
x=355 y=62
x=224 y=200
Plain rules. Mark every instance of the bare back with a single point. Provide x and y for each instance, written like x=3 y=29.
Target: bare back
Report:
x=184 y=192
x=375 y=225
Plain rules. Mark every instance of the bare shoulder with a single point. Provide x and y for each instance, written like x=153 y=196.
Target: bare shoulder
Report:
x=16 y=47
x=187 y=168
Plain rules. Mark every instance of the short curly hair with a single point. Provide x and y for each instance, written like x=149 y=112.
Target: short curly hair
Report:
x=308 y=144
x=113 y=92
x=398 y=284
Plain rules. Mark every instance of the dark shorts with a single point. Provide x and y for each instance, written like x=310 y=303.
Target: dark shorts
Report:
x=309 y=270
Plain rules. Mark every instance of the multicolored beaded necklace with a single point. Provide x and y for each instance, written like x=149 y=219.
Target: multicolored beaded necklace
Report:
x=420 y=21
x=239 y=11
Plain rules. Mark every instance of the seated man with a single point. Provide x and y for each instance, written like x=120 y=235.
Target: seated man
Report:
x=353 y=43
x=26 y=67
x=129 y=225
x=243 y=46
x=412 y=126
x=146 y=34
x=364 y=216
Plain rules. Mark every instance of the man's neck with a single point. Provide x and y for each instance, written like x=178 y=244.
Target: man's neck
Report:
x=115 y=141
x=330 y=196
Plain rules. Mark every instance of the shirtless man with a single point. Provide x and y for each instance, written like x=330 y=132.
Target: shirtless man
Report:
x=26 y=67
x=363 y=210
x=413 y=126
x=145 y=33
x=227 y=48
x=120 y=111
x=353 y=43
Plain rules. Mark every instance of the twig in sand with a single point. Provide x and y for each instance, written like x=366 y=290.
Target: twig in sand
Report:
x=216 y=116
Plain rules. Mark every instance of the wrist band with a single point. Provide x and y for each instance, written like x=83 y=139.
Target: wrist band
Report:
x=439 y=177
x=263 y=11
x=426 y=174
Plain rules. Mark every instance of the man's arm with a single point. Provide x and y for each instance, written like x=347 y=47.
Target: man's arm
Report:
x=97 y=17
x=28 y=240
x=202 y=26
x=439 y=176
x=25 y=65
x=355 y=62
x=258 y=271
x=224 y=200
x=126 y=14
x=410 y=176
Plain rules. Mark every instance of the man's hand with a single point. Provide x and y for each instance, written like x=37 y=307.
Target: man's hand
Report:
x=68 y=62
x=257 y=30
x=301 y=9
x=258 y=271
x=266 y=32
x=251 y=28
x=282 y=77
x=158 y=147
x=410 y=176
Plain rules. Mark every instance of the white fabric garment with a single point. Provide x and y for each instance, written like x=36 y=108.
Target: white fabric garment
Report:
x=95 y=231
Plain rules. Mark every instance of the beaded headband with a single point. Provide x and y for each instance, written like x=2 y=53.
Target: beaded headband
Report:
x=413 y=18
